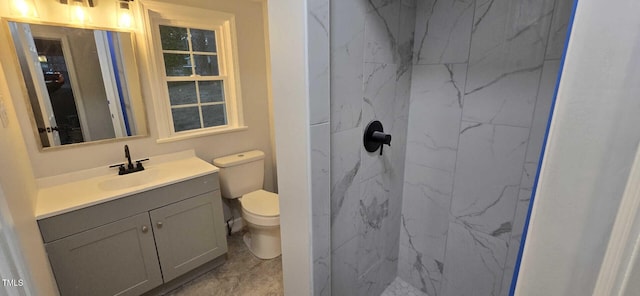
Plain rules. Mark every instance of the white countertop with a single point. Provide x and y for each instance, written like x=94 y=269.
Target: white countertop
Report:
x=65 y=193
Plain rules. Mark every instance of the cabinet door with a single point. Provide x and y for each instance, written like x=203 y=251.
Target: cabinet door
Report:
x=118 y=258
x=189 y=233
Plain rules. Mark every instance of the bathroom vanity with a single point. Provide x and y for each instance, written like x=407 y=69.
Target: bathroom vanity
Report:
x=126 y=235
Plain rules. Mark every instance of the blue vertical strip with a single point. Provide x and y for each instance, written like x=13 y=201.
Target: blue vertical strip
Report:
x=516 y=269
x=114 y=62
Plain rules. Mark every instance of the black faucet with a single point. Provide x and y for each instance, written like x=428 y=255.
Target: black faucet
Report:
x=130 y=168
x=128 y=156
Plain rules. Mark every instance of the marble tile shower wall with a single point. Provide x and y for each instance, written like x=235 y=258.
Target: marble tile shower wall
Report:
x=318 y=51
x=483 y=79
x=371 y=60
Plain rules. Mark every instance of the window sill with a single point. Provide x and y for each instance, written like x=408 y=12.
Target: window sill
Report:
x=198 y=134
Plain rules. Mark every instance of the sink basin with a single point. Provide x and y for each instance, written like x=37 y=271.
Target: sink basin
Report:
x=128 y=180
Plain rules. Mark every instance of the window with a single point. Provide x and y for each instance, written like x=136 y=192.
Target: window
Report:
x=198 y=88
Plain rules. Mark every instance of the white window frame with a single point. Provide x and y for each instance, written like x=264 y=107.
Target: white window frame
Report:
x=156 y=14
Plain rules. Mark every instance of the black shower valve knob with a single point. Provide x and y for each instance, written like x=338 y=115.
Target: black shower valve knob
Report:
x=374 y=137
x=381 y=138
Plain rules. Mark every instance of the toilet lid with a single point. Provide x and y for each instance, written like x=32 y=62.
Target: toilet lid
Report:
x=261 y=202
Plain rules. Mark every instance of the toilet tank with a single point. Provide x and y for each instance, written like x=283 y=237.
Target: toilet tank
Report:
x=240 y=173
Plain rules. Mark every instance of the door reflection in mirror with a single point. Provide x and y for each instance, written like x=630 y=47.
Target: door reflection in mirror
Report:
x=56 y=79
x=82 y=84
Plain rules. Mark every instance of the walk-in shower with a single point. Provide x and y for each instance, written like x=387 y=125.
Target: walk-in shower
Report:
x=465 y=88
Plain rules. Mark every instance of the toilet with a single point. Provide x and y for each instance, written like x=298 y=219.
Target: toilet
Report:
x=241 y=177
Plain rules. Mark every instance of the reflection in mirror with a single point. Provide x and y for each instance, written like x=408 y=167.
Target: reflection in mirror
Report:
x=82 y=84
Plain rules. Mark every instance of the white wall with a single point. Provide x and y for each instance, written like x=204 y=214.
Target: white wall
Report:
x=290 y=78
x=18 y=184
x=253 y=74
x=592 y=144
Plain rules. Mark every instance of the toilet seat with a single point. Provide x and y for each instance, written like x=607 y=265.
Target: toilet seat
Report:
x=261 y=208
x=261 y=203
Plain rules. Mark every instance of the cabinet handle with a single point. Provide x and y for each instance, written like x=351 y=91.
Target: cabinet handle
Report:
x=159 y=224
x=145 y=229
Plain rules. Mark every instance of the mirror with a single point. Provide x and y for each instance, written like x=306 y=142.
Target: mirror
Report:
x=82 y=84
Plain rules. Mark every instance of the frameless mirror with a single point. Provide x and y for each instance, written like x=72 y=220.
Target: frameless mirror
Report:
x=82 y=84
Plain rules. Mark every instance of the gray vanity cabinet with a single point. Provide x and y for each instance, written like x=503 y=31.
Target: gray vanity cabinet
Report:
x=136 y=243
x=115 y=259
x=187 y=235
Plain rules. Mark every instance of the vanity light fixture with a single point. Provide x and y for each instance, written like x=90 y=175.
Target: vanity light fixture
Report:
x=23 y=8
x=123 y=13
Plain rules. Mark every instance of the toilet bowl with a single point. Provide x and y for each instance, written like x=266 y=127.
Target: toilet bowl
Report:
x=260 y=211
x=241 y=177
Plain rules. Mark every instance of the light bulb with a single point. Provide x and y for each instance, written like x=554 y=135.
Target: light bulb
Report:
x=77 y=12
x=24 y=8
x=125 y=20
x=123 y=11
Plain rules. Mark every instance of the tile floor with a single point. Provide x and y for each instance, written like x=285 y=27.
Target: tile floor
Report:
x=401 y=288
x=241 y=274
x=244 y=274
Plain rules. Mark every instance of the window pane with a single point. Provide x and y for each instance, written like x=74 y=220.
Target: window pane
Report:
x=203 y=40
x=183 y=92
x=177 y=64
x=185 y=118
x=211 y=91
x=214 y=115
x=174 y=38
x=206 y=65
